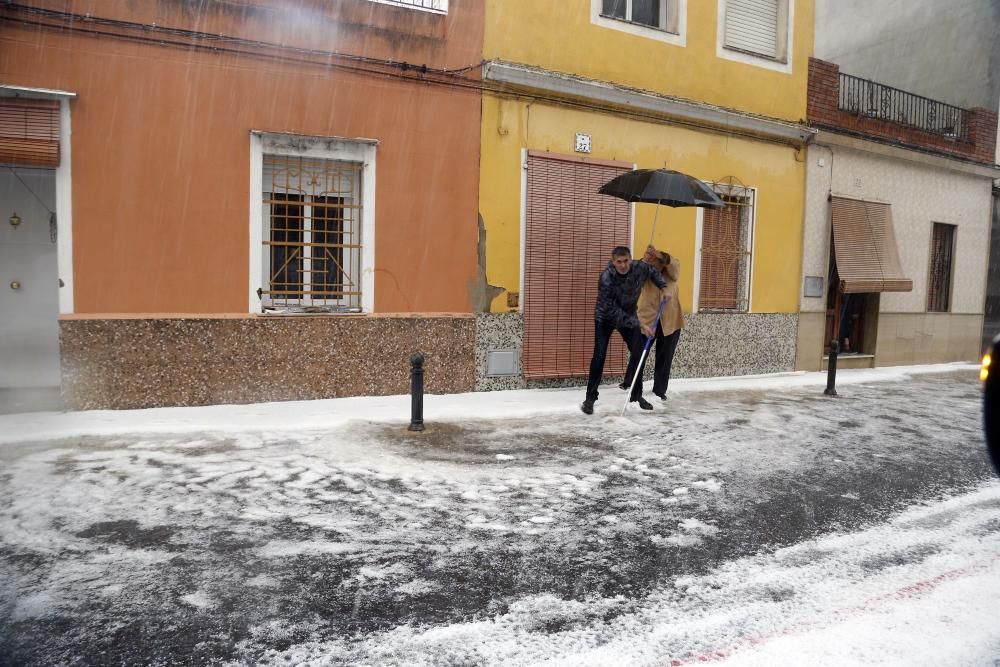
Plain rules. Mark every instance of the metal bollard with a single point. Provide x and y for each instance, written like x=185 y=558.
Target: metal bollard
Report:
x=831 y=369
x=416 y=392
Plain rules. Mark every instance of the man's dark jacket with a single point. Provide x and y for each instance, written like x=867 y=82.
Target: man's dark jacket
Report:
x=617 y=294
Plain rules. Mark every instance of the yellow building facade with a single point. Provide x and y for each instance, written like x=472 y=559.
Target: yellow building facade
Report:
x=582 y=90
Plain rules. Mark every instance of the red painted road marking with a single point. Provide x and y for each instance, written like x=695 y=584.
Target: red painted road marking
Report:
x=909 y=591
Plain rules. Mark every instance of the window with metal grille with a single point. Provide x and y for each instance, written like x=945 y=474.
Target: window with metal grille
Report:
x=758 y=27
x=312 y=234
x=725 y=253
x=659 y=14
x=942 y=262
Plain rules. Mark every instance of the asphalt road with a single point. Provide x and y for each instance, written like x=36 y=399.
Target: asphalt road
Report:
x=208 y=550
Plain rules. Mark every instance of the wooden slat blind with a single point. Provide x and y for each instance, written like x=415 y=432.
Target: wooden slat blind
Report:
x=865 y=247
x=752 y=25
x=29 y=132
x=569 y=233
x=721 y=251
x=939 y=281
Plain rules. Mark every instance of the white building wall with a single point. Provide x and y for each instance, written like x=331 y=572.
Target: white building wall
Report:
x=920 y=194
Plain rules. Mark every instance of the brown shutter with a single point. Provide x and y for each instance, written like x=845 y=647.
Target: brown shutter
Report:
x=721 y=249
x=865 y=247
x=29 y=132
x=569 y=233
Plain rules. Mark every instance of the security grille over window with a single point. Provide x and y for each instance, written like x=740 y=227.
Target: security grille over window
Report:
x=440 y=6
x=757 y=26
x=942 y=260
x=312 y=234
x=726 y=241
x=660 y=14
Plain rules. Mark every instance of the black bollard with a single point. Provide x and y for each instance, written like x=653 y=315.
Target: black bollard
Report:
x=831 y=369
x=417 y=392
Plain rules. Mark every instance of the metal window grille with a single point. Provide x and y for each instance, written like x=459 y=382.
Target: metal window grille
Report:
x=429 y=5
x=659 y=14
x=874 y=100
x=942 y=260
x=312 y=237
x=726 y=241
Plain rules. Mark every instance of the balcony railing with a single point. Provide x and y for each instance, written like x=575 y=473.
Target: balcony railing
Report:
x=874 y=100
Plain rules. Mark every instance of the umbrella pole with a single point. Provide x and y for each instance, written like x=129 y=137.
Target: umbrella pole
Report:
x=653 y=233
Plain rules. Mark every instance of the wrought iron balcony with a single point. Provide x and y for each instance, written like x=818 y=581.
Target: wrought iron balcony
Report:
x=875 y=100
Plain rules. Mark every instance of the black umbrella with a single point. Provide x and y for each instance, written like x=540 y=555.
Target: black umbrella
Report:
x=662 y=186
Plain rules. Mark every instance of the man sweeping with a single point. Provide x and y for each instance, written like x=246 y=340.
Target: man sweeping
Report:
x=617 y=293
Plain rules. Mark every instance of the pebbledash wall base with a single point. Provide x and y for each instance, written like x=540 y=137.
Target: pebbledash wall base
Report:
x=711 y=345
x=181 y=361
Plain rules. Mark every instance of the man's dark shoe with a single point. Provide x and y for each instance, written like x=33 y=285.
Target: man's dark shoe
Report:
x=662 y=395
x=643 y=403
x=588 y=407
x=623 y=386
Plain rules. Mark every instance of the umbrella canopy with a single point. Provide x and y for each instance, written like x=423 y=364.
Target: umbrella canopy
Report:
x=662 y=186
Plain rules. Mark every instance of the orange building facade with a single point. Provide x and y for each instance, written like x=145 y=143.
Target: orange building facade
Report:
x=252 y=199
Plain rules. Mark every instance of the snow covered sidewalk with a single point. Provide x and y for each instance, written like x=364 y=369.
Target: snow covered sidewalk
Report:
x=326 y=414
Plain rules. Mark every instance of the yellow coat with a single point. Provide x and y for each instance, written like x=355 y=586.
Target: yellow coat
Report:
x=672 y=318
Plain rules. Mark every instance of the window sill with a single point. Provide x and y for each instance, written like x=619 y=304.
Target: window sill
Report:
x=761 y=56
x=722 y=311
x=783 y=64
x=275 y=312
x=674 y=38
x=640 y=26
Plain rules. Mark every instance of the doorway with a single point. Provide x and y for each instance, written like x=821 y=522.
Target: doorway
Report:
x=29 y=290
x=851 y=318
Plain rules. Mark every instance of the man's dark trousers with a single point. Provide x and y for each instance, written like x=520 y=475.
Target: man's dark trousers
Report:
x=635 y=342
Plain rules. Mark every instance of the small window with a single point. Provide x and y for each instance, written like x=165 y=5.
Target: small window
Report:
x=312 y=224
x=437 y=6
x=312 y=234
x=757 y=27
x=942 y=262
x=658 y=14
x=725 y=253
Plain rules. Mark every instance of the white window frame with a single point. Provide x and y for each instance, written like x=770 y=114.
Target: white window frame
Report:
x=752 y=231
x=783 y=63
x=324 y=148
x=432 y=6
x=678 y=38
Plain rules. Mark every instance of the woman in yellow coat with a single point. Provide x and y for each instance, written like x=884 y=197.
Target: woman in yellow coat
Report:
x=671 y=320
